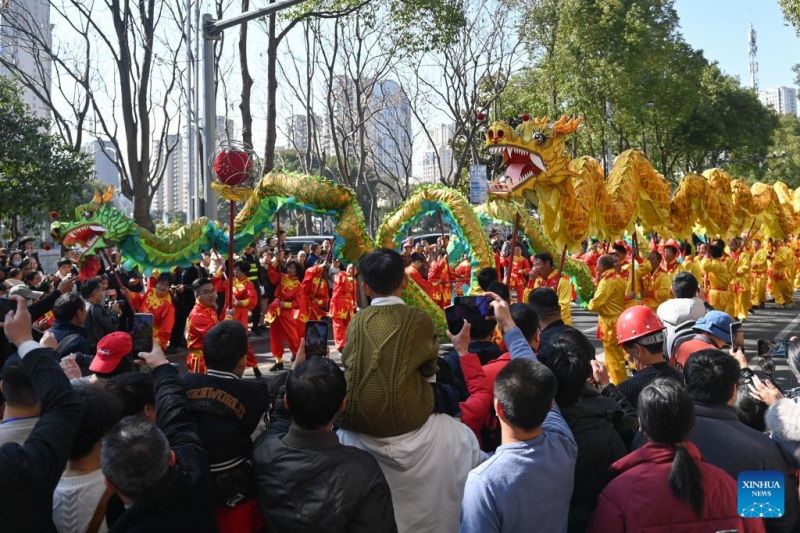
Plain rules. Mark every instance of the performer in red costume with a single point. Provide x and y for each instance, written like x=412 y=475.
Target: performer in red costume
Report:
x=440 y=277
x=414 y=271
x=519 y=272
x=315 y=287
x=245 y=298
x=202 y=318
x=287 y=313
x=158 y=302
x=463 y=274
x=343 y=304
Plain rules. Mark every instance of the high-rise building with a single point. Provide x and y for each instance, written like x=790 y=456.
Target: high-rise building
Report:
x=388 y=123
x=174 y=195
x=434 y=169
x=297 y=132
x=25 y=37
x=104 y=156
x=783 y=100
x=389 y=129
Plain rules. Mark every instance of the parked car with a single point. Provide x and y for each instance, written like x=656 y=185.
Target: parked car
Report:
x=295 y=244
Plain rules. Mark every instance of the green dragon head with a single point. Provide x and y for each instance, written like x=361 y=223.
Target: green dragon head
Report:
x=99 y=223
x=533 y=152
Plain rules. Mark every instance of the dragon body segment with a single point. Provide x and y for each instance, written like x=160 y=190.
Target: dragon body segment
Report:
x=575 y=200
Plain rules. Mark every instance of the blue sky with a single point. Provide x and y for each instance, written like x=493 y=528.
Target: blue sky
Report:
x=719 y=28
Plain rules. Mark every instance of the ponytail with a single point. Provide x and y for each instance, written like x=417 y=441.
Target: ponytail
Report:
x=685 y=479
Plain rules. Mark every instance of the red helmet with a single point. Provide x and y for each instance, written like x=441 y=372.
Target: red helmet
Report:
x=637 y=322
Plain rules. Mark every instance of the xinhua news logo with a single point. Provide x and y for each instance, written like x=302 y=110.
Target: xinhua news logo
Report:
x=761 y=494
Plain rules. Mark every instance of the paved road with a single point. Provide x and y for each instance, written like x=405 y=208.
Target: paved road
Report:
x=771 y=322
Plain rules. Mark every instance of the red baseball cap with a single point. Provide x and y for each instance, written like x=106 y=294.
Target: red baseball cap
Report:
x=110 y=351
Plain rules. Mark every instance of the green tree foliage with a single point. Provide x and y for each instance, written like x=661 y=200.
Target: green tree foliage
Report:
x=624 y=67
x=791 y=10
x=783 y=157
x=38 y=173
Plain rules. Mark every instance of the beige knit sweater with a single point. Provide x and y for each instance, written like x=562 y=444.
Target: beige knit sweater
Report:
x=391 y=351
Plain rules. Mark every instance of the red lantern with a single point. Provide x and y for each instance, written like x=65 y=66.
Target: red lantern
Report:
x=525 y=117
x=480 y=115
x=54 y=215
x=233 y=166
x=46 y=247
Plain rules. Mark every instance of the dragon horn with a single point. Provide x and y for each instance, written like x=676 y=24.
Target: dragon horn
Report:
x=97 y=198
x=564 y=125
x=108 y=195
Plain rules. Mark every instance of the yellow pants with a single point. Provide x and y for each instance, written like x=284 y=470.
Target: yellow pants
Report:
x=783 y=291
x=759 y=288
x=614 y=354
x=721 y=300
x=741 y=302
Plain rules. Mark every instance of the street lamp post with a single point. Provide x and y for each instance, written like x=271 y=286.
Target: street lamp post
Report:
x=212 y=30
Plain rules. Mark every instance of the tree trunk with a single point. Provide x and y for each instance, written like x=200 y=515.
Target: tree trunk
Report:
x=247 y=83
x=272 y=90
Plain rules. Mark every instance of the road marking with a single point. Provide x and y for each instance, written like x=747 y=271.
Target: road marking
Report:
x=785 y=331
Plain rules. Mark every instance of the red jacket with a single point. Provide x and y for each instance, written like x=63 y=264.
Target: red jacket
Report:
x=639 y=498
x=492 y=368
x=476 y=409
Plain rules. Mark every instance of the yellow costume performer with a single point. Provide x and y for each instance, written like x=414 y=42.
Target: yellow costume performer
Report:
x=609 y=302
x=562 y=287
x=740 y=272
x=656 y=288
x=758 y=275
x=779 y=275
x=718 y=275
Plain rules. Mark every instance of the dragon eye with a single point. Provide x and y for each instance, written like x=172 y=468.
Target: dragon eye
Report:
x=539 y=137
x=87 y=214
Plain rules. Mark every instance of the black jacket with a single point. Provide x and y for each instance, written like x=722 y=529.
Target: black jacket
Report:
x=734 y=447
x=228 y=410
x=99 y=323
x=633 y=386
x=595 y=422
x=185 y=501
x=29 y=473
x=309 y=482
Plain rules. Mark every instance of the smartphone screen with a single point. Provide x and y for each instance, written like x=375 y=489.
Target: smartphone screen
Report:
x=142 y=333
x=737 y=335
x=773 y=347
x=481 y=303
x=316 y=338
x=6 y=305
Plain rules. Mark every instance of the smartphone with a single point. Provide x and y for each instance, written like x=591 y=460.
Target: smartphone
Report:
x=737 y=336
x=483 y=304
x=316 y=338
x=142 y=333
x=773 y=347
x=6 y=305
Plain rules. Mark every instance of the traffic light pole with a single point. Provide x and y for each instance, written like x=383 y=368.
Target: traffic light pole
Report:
x=212 y=31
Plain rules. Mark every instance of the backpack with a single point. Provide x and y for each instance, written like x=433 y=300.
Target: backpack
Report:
x=683 y=332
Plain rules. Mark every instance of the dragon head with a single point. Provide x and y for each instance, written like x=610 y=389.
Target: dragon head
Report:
x=533 y=151
x=98 y=223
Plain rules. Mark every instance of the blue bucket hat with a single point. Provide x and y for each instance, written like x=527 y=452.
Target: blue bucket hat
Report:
x=716 y=323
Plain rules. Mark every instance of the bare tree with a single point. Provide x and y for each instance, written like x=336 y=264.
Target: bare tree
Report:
x=463 y=78
x=121 y=57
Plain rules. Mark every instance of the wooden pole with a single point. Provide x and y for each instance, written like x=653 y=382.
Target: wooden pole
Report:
x=507 y=277
x=561 y=263
x=229 y=295
x=634 y=253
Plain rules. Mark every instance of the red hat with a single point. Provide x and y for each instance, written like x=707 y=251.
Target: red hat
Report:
x=672 y=243
x=110 y=351
x=638 y=322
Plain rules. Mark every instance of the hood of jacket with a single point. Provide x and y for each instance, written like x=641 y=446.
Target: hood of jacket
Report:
x=679 y=310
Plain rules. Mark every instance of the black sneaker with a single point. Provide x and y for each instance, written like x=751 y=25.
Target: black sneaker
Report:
x=276 y=367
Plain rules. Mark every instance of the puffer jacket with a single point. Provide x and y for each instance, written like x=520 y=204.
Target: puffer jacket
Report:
x=309 y=482
x=639 y=498
x=592 y=421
